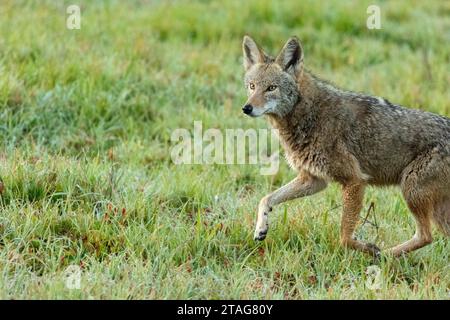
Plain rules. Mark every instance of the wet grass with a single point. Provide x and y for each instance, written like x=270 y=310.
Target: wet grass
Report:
x=87 y=179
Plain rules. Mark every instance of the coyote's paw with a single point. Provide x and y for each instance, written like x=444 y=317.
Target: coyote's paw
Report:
x=393 y=252
x=260 y=234
x=262 y=223
x=369 y=248
x=373 y=250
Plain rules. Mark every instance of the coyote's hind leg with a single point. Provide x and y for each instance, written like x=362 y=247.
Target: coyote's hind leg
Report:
x=421 y=187
x=441 y=215
x=421 y=210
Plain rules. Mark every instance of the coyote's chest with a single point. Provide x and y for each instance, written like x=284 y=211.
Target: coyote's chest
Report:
x=303 y=150
x=305 y=156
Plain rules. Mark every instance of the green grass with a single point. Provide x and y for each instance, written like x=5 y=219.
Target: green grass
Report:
x=85 y=123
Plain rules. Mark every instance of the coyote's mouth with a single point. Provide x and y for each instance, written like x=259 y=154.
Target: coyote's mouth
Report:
x=257 y=112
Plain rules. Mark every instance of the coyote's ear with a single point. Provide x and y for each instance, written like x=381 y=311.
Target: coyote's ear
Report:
x=291 y=57
x=252 y=54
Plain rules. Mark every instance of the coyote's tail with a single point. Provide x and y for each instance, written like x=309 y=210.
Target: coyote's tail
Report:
x=441 y=217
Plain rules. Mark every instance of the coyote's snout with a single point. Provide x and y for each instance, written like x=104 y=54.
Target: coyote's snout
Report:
x=353 y=139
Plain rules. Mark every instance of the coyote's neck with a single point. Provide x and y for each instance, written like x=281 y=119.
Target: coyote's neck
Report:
x=296 y=128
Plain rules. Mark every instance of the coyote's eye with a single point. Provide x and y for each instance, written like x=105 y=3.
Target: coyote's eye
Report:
x=251 y=86
x=271 y=88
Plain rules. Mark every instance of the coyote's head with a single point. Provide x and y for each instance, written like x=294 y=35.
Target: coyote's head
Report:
x=271 y=84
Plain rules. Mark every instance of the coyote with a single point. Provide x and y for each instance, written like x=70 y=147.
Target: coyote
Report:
x=350 y=138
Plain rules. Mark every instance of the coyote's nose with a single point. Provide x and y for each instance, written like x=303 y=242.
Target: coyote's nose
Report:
x=247 y=109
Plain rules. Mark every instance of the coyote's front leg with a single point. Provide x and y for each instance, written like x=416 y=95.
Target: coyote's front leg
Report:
x=304 y=185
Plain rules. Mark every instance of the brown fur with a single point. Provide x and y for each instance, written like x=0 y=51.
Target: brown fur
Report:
x=353 y=139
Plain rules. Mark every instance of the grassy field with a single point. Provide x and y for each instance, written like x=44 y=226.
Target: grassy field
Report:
x=86 y=118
